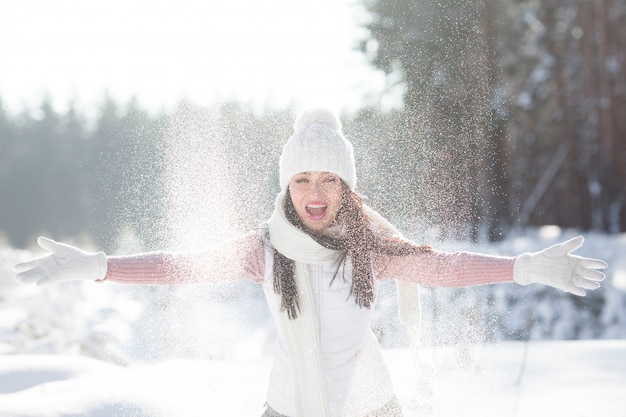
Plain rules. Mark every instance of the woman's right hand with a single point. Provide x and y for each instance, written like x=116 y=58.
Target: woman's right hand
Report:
x=62 y=263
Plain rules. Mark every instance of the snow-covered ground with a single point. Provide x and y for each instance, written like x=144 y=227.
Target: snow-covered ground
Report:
x=103 y=350
x=558 y=378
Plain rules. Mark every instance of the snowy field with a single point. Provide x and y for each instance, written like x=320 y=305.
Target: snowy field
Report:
x=103 y=350
x=565 y=378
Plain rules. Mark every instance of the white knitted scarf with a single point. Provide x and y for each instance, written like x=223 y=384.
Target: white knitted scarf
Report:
x=302 y=335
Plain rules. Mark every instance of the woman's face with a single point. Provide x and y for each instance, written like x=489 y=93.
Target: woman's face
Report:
x=317 y=198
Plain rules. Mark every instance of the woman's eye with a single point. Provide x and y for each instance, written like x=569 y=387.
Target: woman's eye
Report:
x=301 y=180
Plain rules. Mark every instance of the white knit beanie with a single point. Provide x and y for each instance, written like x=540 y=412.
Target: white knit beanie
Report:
x=317 y=144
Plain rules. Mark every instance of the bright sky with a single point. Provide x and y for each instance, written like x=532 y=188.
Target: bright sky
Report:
x=275 y=52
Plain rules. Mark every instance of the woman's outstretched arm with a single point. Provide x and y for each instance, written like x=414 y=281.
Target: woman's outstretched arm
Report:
x=555 y=266
x=446 y=269
x=239 y=258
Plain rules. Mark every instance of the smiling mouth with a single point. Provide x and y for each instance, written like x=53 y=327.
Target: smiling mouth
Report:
x=316 y=211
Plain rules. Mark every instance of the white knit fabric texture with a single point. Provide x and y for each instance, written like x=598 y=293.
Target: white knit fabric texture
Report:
x=302 y=334
x=317 y=144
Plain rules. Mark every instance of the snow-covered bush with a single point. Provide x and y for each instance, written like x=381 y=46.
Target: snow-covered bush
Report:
x=69 y=318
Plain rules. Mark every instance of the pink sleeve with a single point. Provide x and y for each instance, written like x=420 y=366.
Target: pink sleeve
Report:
x=240 y=258
x=446 y=269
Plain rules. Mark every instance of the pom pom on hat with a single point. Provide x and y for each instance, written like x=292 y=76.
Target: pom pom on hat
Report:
x=317 y=116
x=317 y=144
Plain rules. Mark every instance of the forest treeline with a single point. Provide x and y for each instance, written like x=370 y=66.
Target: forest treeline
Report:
x=70 y=177
x=513 y=117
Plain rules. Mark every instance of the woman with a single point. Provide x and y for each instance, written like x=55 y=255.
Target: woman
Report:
x=319 y=258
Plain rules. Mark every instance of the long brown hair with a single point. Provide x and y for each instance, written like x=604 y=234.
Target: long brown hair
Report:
x=358 y=243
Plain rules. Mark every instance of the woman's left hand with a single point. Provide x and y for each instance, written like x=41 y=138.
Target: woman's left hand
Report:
x=557 y=267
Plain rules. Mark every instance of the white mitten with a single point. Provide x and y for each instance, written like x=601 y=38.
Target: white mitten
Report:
x=63 y=263
x=557 y=267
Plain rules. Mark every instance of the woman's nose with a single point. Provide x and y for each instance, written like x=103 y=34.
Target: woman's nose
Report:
x=316 y=187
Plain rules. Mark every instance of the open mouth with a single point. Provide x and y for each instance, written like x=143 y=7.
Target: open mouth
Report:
x=316 y=211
